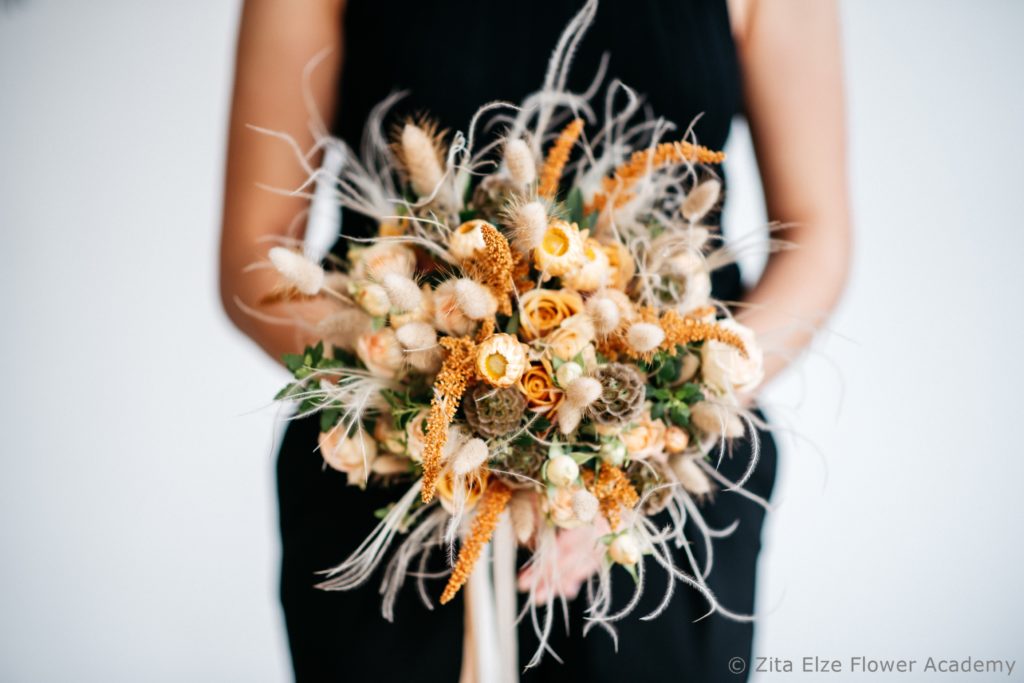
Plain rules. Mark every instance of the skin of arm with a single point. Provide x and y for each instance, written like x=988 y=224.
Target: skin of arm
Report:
x=276 y=41
x=793 y=88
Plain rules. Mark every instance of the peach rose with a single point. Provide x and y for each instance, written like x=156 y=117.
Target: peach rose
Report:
x=542 y=310
x=645 y=438
x=391 y=439
x=542 y=396
x=559 y=507
x=571 y=337
x=352 y=455
x=416 y=435
x=380 y=352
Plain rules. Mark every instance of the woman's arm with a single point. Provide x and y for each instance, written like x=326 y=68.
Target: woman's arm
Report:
x=276 y=41
x=793 y=87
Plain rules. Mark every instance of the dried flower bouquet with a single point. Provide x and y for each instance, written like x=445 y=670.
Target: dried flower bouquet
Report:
x=531 y=331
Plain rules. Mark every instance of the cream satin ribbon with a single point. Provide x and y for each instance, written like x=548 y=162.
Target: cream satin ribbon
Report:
x=490 y=645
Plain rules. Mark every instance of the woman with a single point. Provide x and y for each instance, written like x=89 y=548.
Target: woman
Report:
x=777 y=62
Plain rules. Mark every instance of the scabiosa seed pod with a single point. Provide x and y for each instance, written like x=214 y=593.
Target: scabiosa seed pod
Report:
x=522 y=168
x=492 y=195
x=493 y=412
x=649 y=479
x=524 y=460
x=300 y=272
x=622 y=394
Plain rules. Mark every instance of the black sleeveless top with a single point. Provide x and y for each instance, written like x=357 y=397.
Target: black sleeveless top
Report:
x=453 y=56
x=457 y=55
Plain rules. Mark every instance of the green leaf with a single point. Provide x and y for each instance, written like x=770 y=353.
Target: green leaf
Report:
x=329 y=418
x=467 y=215
x=293 y=361
x=512 y=326
x=574 y=206
x=669 y=369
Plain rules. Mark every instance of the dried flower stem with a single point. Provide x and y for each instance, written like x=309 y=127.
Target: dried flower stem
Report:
x=613 y=491
x=681 y=330
x=558 y=156
x=646 y=160
x=456 y=372
x=492 y=266
x=488 y=510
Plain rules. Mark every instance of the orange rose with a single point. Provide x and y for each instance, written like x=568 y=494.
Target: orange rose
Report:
x=542 y=396
x=473 y=486
x=542 y=310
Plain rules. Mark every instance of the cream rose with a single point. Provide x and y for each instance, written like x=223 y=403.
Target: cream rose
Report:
x=724 y=368
x=571 y=337
x=352 y=455
x=380 y=352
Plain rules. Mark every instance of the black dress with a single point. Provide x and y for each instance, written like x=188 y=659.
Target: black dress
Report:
x=453 y=56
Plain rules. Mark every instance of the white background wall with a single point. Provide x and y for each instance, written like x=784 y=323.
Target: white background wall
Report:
x=137 y=514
